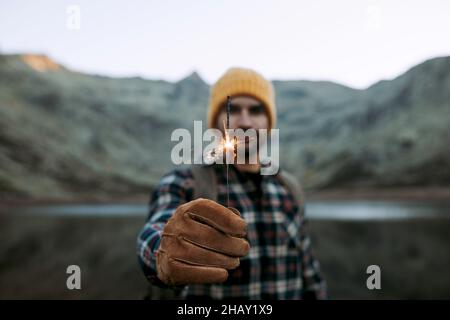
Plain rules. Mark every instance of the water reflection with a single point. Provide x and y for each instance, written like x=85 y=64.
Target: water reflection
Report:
x=375 y=210
x=330 y=210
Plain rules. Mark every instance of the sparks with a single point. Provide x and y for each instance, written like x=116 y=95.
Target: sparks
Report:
x=229 y=145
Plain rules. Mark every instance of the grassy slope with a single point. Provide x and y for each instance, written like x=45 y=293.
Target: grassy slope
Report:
x=66 y=135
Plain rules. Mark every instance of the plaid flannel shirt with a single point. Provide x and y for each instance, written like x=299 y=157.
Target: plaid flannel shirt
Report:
x=280 y=264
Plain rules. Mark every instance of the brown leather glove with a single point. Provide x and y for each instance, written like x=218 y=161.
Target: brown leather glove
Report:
x=200 y=242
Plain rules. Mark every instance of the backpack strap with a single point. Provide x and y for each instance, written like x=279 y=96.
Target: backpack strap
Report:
x=205 y=182
x=292 y=184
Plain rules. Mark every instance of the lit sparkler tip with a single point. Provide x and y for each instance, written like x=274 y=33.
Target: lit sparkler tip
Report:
x=228 y=144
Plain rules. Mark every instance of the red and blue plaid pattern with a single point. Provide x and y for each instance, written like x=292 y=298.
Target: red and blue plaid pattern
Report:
x=280 y=264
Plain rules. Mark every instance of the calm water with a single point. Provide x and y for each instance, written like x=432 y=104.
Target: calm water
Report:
x=336 y=210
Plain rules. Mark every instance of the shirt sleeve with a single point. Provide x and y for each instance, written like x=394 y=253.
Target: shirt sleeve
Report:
x=173 y=190
x=314 y=283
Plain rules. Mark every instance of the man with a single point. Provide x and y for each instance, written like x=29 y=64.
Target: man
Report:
x=258 y=248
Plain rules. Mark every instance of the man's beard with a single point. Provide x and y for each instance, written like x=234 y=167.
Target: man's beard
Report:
x=251 y=151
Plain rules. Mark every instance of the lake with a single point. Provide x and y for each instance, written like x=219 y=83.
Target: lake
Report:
x=328 y=210
x=408 y=240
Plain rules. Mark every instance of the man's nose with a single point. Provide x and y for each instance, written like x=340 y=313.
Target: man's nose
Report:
x=244 y=121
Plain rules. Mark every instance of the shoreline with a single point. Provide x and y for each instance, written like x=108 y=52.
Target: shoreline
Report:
x=429 y=194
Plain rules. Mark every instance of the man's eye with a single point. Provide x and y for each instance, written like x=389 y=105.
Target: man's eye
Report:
x=257 y=109
x=234 y=109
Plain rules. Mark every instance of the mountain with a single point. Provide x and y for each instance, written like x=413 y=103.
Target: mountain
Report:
x=65 y=134
x=395 y=133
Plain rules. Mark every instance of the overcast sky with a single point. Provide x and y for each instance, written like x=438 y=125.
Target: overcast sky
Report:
x=351 y=42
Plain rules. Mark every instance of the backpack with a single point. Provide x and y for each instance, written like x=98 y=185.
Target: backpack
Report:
x=206 y=183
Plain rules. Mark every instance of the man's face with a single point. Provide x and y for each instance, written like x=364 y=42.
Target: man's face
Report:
x=246 y=113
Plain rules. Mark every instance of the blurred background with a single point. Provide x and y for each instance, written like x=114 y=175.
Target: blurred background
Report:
x=91 y=91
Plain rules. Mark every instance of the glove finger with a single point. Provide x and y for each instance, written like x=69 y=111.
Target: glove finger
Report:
x=190 y=253
x=217 y=216
x=206 y=236
x=236 y=211
x=174 y=272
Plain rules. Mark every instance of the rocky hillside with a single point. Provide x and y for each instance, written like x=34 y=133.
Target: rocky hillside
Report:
x=65 y=134
x=395 y=133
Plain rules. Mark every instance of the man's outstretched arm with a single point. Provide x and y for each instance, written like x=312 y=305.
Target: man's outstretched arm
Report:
x=189 y=241
x=173 y=190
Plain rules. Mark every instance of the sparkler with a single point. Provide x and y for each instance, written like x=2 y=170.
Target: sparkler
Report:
x=228 y=144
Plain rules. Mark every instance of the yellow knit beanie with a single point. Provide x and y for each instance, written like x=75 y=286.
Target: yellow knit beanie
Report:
x=240 y=81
